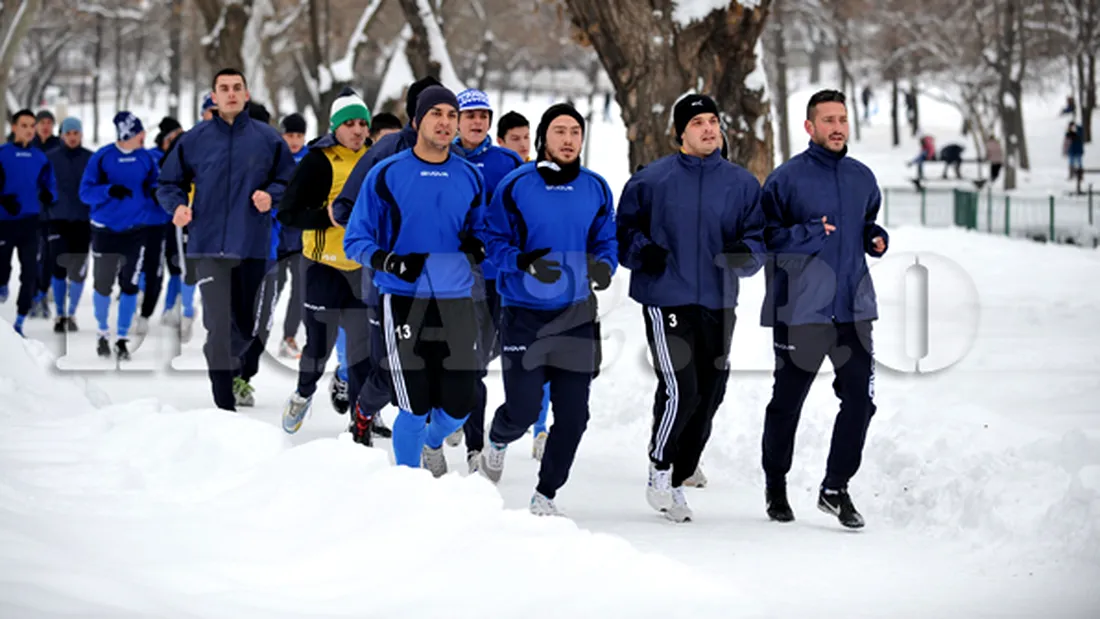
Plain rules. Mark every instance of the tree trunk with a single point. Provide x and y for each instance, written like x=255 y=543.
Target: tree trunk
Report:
x=117 y=23
x=894 y=110
x=782 y=89
x=132 y=80
x=1016 y=92
x=225 y=24
x=97 y=63
x=12 y=38
x=816 y=47
x=175 y=59
x=418 y=49
x=1088 y=104
x=652 y=61
x=198 y=82
x=914 y=115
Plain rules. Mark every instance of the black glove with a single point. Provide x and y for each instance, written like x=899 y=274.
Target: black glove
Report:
x=472 y=247
x=405 y=266
x=120 y=192
x=533 y=263
x=599 y=272
x=10 y=203
x=45 y=197
x=734 y=256
x=654 y=259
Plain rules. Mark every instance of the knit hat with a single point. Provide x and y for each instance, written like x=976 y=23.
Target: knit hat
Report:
x=689 y=107
x=294 y=123
x=257 y=111
x=44 y=115
x=473 y=99
x=431 y=97
x=208 y=102
x=71 y=124
x=413 y=94
x=558 y=109
x=127 y=125
x=347 y=106
x=168 y=125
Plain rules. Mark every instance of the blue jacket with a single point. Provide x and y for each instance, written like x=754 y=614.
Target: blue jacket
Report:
x=26 y=173
x=137 y=172
x=226 y=164
x=494 y=163
x=814 y=278
x=383 y=149
x=574 y=220
x=408 y=205
x=68 y=168
x=696 y=209
x=157 y=154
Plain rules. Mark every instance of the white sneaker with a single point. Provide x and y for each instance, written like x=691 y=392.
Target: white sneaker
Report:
x=294 y=412
x=542 y=506
x=473 y=461
x=697 y=479
x=140 y=326
x=455 y=439
x=492 y=461
x=539 y=446
x=288 y=349
x=434 y=461
x=186 y=327
x=659 y=490
x=171 y=317
x=679 y=512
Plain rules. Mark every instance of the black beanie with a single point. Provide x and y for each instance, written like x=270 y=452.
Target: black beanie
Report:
x=432 y=96
x=294 y=123
x=558 y=109
x=168 y=125
x=413 y=94
x=689 y=107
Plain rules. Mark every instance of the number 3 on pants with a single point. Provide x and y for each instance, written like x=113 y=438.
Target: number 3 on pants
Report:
x=672 y=321
x=403 y=332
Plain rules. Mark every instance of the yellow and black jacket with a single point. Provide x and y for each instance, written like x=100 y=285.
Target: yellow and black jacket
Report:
x=317 y=181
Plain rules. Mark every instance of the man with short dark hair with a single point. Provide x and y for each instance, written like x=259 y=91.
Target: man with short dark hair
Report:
x=514 y=133
x=70 y=233
x=382 y=125
x=820 y=208
x=26 y=187
x=240 y=168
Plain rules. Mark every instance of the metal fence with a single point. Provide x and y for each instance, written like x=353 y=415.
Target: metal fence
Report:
x=1064 y=219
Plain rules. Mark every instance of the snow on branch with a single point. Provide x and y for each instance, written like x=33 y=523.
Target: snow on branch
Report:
x=215 y=32
x=276 y=29
x=438 y=46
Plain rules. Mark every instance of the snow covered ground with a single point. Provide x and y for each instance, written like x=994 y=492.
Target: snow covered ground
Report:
x=122 y=494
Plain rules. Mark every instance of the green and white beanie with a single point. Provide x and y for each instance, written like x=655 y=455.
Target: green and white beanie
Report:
x=348 y=106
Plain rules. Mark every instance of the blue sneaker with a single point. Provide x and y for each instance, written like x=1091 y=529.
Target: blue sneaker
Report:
x=3 y=294
x=295 y=411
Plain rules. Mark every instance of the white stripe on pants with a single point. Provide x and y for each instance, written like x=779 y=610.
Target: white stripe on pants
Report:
x=672 y=389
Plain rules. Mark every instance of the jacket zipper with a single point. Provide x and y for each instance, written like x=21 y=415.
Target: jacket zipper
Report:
x=228 y=189
x=839 y=242
x=699 y=224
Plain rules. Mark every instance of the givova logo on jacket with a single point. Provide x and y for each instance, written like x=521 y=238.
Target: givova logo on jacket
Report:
x=433 y=173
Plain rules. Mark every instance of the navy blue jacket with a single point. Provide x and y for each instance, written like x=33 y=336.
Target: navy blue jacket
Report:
x=382 y=149
x=494 y=163
x=408 y=205
x=575 y=220
x=26 y=173
x=68 y=168
x=288 y=239
x=696 y=209
x=137 y=172
x=226 y=164
x=814 y=278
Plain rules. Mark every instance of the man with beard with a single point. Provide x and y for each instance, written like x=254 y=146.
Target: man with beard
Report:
x=820 y=209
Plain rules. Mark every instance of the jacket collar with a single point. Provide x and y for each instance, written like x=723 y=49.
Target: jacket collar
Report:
x=825 y=156
x=239 y=122
x=476 y=151
x=693 y=163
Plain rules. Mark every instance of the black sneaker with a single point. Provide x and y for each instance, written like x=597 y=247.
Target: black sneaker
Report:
x=378 y=427
x=120 y=350
x=60 y=324
x=70 y=324
x=839 y=504
x=360 y=428
x=103 y=348
x=338 y=394
x=779 y=509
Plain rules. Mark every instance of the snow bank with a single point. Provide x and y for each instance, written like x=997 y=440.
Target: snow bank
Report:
x=139 y=510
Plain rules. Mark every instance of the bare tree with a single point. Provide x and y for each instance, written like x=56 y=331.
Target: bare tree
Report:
x=776 y=37
x=653 y=56
x=15 y=21
x=426 y=48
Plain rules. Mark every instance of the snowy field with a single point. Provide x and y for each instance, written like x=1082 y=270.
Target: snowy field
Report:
x=122 y=494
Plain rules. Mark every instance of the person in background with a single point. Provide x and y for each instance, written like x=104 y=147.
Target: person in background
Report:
x=1073 y=148
x=27 y=186
x=995 y=155
x=118 y=184
x=382 y=125
x=514 y=133
x=951 y=156
x=168 y=131
x=209 y=107
x=46 y=141
x=820 y=209
x=289 y=254
x=240 y=168
x=44 y=138
x=70 y=233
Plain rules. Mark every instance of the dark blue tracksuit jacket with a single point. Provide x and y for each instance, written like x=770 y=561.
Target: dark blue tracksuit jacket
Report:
x=226 y=164
x=494 y=163
x=26 y=173
x=696 y=208
x=68 y=168
x=813 y=278
x=137 y=172
x=574 y=220
x=408 y=205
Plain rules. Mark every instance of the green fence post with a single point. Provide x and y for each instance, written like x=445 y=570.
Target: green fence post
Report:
x=1008 y=209
x=923 y=209
x=989 y=211
x=1051 y=219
